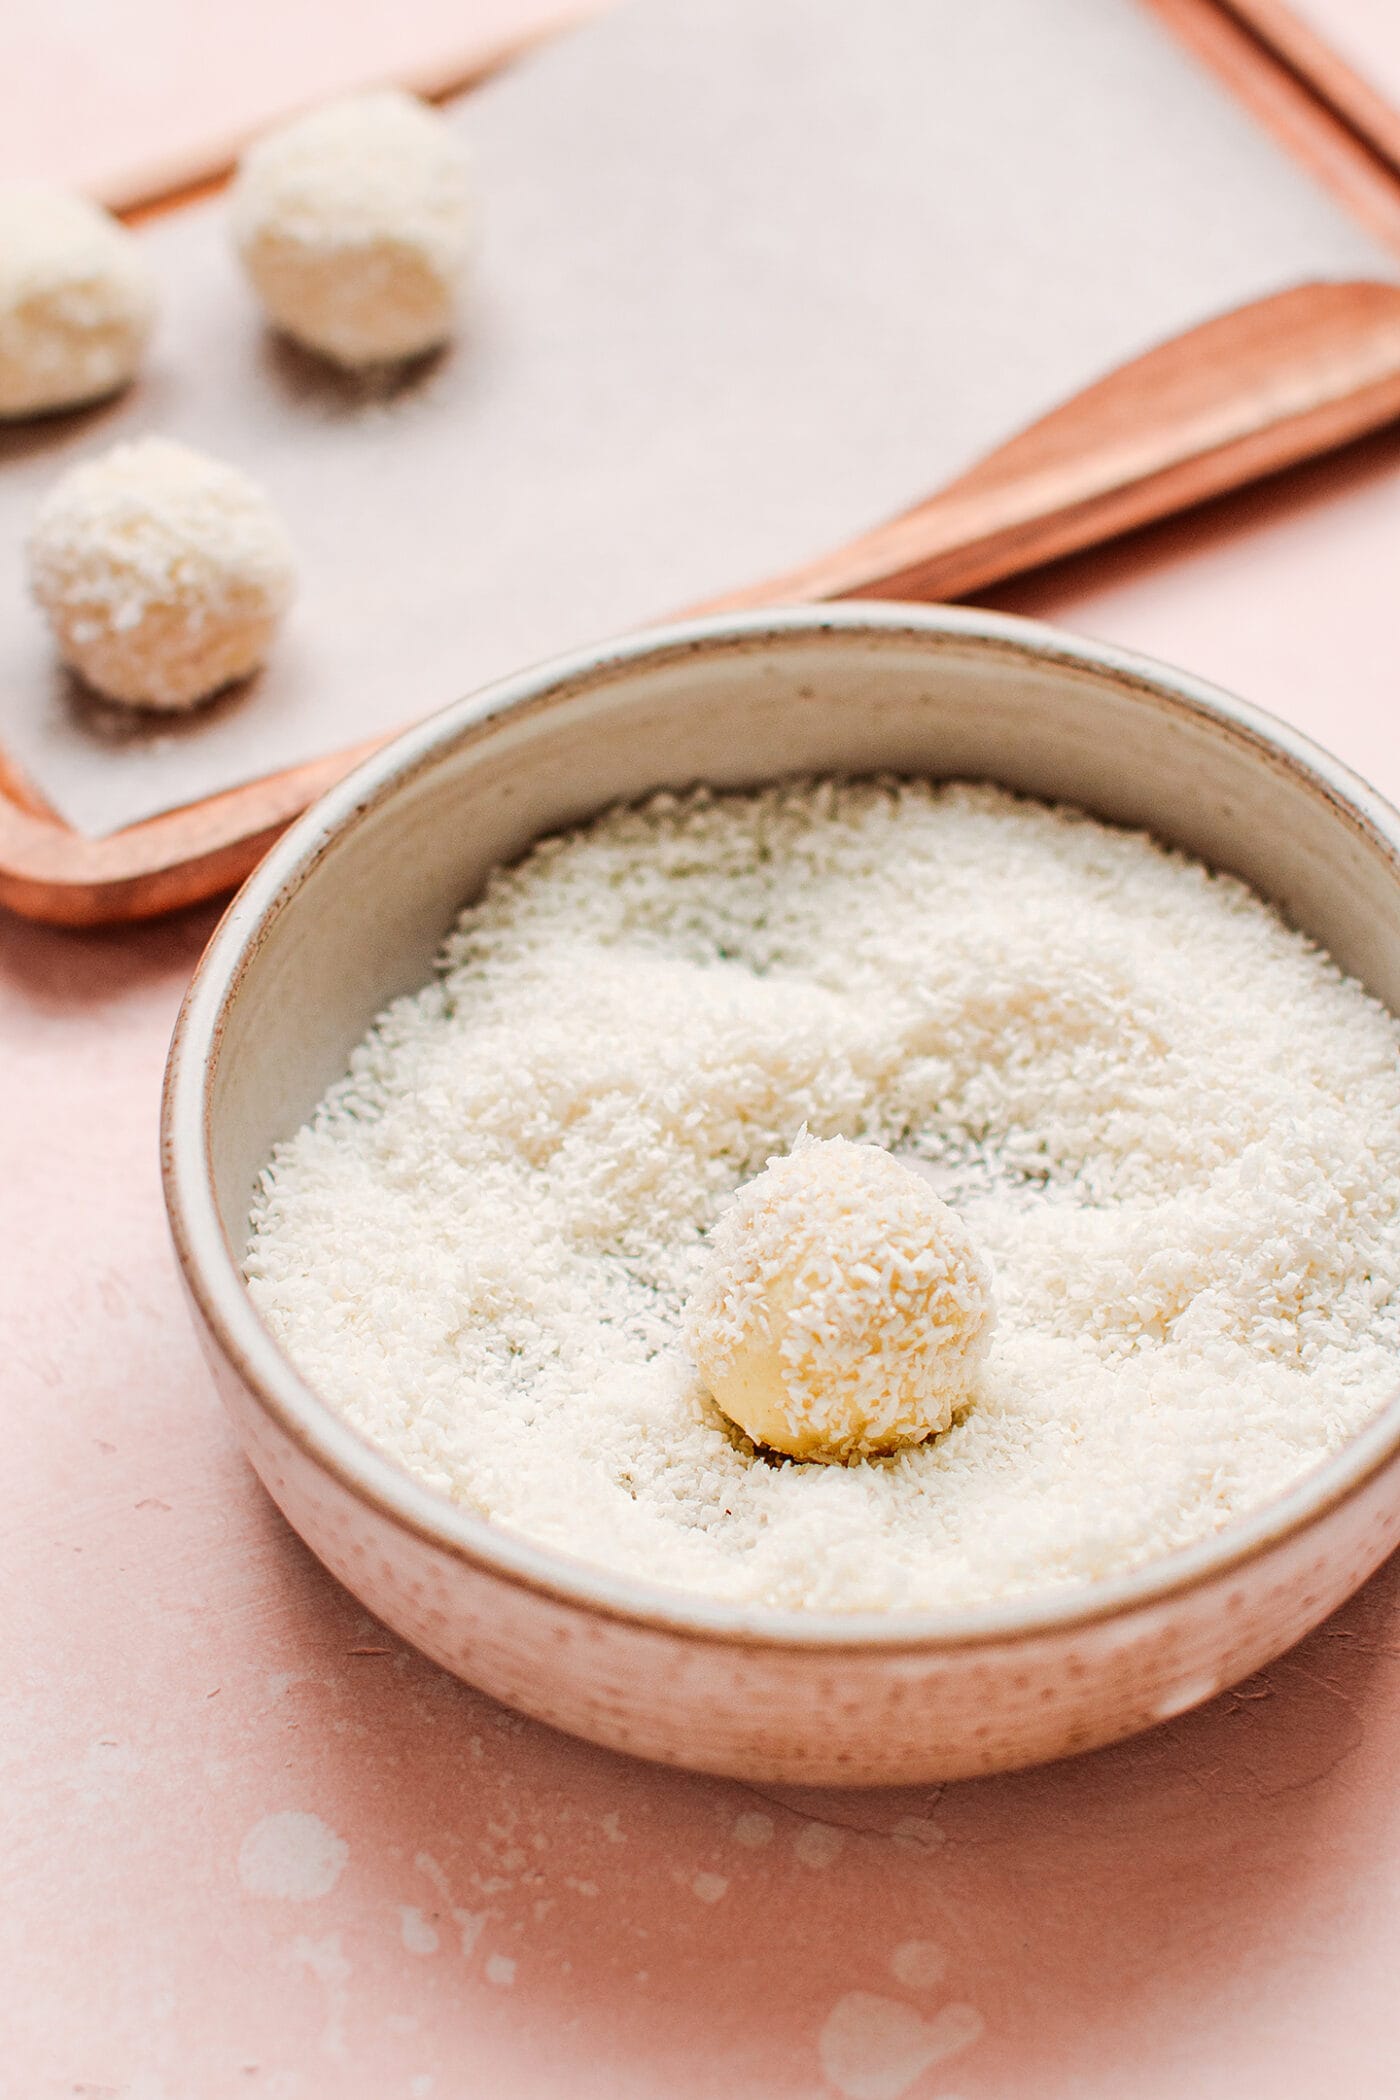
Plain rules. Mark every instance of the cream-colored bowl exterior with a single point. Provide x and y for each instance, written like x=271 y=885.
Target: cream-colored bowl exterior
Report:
x=346 y=912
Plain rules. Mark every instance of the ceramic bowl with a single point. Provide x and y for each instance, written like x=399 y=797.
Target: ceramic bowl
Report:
x=347 y=911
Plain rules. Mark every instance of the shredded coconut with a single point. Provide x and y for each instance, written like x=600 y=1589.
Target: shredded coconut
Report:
x=1169 y=1121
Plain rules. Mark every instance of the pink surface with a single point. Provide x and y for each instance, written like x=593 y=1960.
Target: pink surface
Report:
x=482 y=1908
x=129 y=100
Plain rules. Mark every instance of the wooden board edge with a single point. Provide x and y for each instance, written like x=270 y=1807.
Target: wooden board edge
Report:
x=1194 y=417
x=1309 y=57
x=61 y=877
x=1293 y=107
x=169 y=180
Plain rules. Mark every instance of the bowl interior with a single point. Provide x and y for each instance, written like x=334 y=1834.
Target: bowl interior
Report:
x=348 y=911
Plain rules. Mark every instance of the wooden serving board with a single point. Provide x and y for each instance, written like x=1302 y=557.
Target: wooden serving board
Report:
x=1243 y=395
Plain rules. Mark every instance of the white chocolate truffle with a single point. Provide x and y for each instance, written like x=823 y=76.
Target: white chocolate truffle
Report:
x=77 y=299
x=845 y=1311
x=356 y=224
x=163 y=573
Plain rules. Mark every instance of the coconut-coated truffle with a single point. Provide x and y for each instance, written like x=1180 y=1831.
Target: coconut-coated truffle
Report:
x=77 y=300
x=356 y=224
x=845 y=1311
x=163 y=573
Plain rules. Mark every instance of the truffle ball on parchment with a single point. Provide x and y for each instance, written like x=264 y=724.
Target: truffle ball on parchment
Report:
x=845 y=1310
x=163 y=573
x=77 y=300
x=356 y=224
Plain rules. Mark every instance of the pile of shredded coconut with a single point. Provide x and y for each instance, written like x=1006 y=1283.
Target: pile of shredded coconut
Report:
x=1169 y=1122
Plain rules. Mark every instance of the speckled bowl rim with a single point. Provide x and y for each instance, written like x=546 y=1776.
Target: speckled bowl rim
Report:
x=211 y=1268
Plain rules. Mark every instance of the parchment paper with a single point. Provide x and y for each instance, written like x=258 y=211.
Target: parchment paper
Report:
x=756 y=274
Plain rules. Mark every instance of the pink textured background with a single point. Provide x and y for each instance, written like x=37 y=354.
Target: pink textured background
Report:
x=1213 y=1910
x=131 y=98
